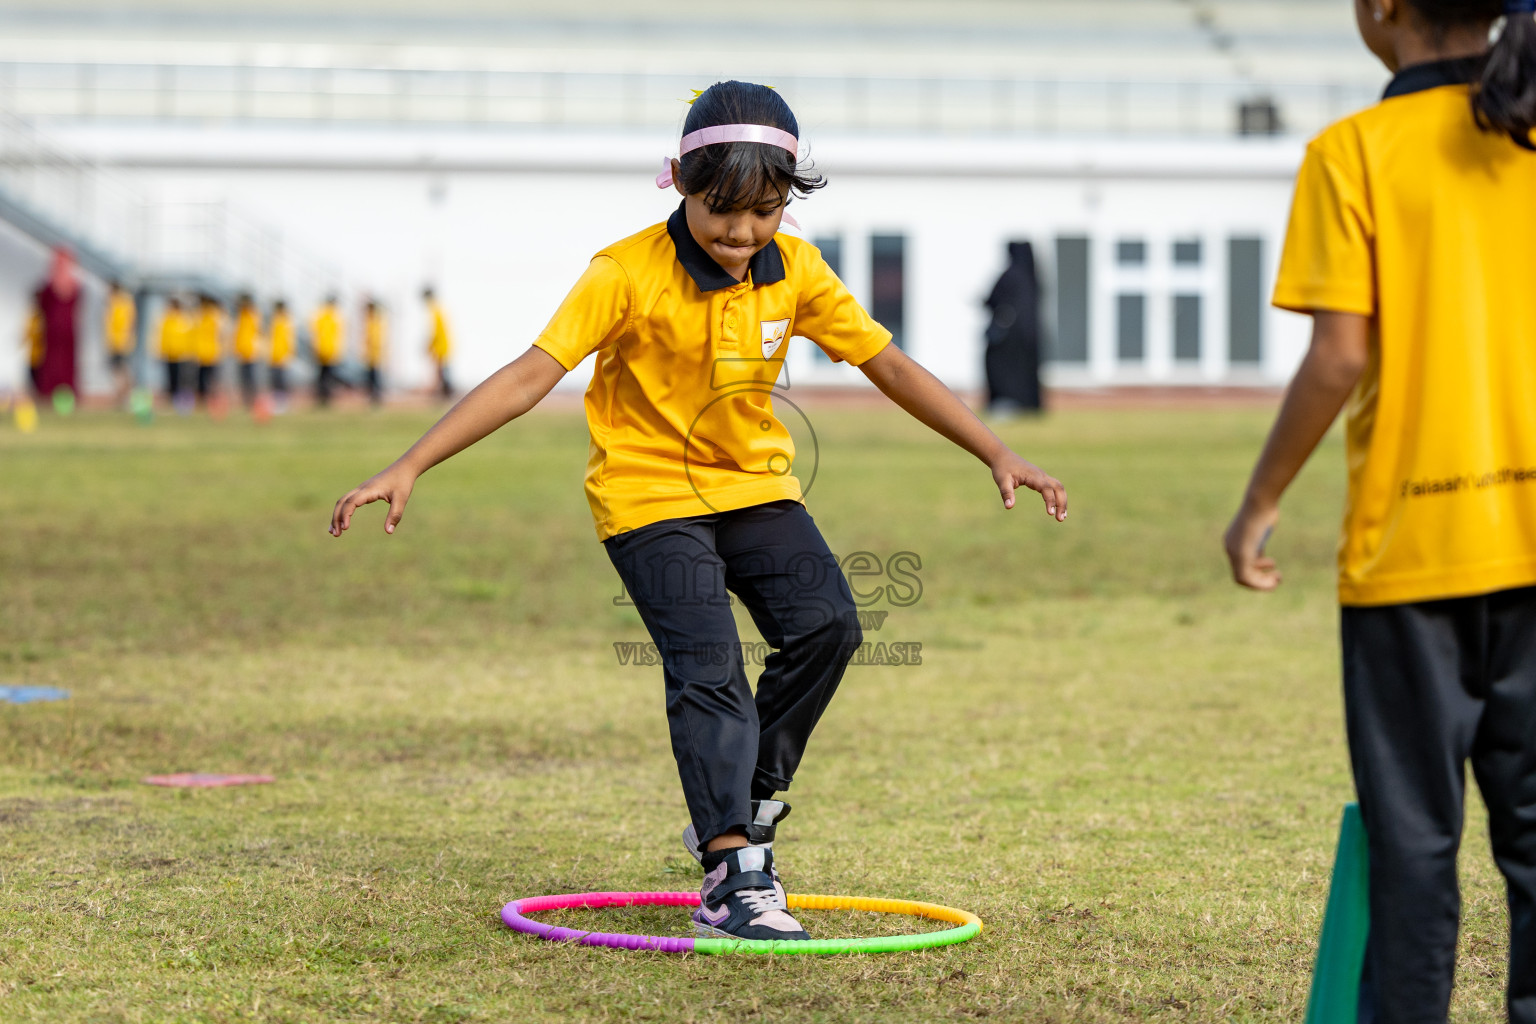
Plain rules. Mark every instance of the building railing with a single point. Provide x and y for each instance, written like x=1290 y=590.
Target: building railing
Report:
x=499 y=98
x=156 y=242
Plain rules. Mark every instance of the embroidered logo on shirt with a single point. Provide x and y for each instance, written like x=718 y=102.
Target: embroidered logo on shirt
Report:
x=774 y=333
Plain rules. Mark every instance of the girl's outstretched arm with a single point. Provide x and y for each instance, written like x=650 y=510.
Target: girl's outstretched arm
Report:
x=501 y=398
x=1340 y=350
x=924 y=396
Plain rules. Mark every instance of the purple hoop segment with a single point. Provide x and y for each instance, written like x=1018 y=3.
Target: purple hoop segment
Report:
x=512 y=917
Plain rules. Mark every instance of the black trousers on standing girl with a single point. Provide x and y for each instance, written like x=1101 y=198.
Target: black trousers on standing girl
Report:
x=732 y=747
x=1428 y=687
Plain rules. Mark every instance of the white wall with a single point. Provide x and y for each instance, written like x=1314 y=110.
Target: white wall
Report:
x=505 y=223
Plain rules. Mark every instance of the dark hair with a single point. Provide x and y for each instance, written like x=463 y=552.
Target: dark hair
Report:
x=1504 y=100
x=732 y=175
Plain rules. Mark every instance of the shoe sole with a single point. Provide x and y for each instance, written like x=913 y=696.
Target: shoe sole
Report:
x=704 y=931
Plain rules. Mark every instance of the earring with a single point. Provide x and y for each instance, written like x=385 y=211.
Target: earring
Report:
x=1378 y=14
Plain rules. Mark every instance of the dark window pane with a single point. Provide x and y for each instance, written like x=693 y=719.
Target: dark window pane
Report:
x=1131 y=253
x=1245 y=294
x=1187 y=253
x=1132 y=329
x=1186 y=328
x=1071 y=342
x=888 y=284
x=831 y=247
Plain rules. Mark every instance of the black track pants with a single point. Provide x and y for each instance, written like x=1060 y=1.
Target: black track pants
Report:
x=729 y=745
x=1427 y=687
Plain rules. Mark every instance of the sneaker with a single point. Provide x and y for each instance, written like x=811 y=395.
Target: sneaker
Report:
x=739 y=899
x=766 y=815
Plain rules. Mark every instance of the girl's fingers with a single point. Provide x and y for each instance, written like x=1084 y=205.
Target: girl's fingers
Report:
x=396 y=510
x=1005 y=488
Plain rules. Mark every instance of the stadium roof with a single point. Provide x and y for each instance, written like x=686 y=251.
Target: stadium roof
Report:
x=1251 y=40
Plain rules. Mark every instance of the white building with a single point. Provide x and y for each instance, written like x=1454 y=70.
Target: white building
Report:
x=492 y=153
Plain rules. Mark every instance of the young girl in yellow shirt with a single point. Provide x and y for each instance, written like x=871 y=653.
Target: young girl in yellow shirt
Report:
x=1413 y=246
x=690 y=470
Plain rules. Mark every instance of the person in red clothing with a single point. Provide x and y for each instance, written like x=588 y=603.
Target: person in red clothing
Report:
x=58 y=302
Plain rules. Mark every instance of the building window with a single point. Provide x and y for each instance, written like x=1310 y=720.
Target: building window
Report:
x=888 y=284
x=831 y=247
x=1186 y=328
x=1187 y=253
x=1131 y=252
x=1245 y=300
x=1132 y=327
x=1072 y=300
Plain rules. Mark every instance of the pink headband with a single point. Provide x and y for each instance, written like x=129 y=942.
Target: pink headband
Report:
x=728 y=133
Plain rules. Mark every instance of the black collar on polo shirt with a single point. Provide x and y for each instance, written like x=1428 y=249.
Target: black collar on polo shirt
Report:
x=1417 y=78
x=766 y=267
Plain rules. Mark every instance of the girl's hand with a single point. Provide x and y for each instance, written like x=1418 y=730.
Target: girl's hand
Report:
x=393 y=485
x=1010 y=472
x=1245 y=542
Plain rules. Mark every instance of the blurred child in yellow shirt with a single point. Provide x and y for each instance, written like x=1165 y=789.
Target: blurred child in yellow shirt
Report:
x=247 y=341
x=207 y=346
x=280 y=333
x=34 y=342
x=121 y=318
x=375 y=328
x=439 y=344
x=175 y=347
x=327 y=337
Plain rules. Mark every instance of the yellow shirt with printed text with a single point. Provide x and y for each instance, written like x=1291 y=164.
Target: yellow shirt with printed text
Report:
x=247 y=334
x=1408 y=214
x=681 y=403
x=327 y=336
x=121 y=315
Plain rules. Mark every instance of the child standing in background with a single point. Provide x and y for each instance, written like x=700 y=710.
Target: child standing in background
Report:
x=280 y=331
x=121 y=318
x=1412 y=244
x=208 y=346
x=374 y=327
x=439 y=344
x=175 y=347
x=327 y=337
x=247 y=341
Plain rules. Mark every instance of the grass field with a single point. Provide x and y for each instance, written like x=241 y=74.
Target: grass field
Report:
x=1131 y=770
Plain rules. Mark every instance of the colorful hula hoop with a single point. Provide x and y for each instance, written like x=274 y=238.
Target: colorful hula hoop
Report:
x=967 y=925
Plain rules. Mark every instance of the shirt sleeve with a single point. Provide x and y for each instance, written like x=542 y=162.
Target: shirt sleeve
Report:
x=829 y=315
x=594 y=315
x=1329 y=260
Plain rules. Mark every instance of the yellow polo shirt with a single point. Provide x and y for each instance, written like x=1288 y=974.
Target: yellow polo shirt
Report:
x=373 y=339
x=247 y=334
x=1409 y=214
x=121 y=314
x=327 y=328
x=36 y=346
x=205 y=336
x=281 y=330
x=680 y=406
x=175 y=336
x=440 y=344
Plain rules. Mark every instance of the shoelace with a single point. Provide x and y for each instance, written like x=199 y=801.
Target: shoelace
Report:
x=760 y=901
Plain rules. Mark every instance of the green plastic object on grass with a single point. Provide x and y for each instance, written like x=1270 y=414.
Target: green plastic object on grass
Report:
x=1335 y=997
